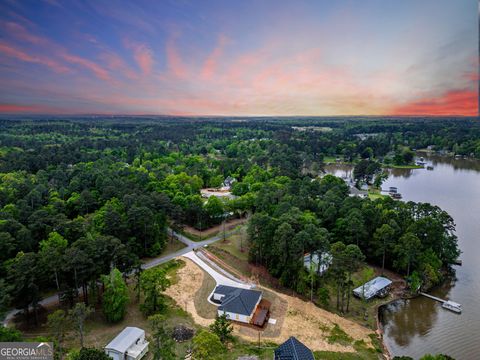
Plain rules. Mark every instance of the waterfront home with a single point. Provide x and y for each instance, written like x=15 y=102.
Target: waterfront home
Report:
x=292 y=349
x=380 y=286
x=320 y=265
x=130 y=344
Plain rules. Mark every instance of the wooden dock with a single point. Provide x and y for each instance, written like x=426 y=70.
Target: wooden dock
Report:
x=432 y=297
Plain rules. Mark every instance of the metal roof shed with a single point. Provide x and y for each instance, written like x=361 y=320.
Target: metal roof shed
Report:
x=130 y=344
x=372 y=288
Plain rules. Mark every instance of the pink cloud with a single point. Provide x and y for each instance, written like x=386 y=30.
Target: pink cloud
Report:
x=99 y=71
x=16 y=108
x=144 y=58
x=210 y=65
x=142 y=54
x=455 y=102
x=174 y=60
x=23 y=34
x=116 y=63
x=16 y=53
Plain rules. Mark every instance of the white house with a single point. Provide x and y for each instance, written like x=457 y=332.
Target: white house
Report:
x=241 y=304
x=130 y=344
x=320 y=265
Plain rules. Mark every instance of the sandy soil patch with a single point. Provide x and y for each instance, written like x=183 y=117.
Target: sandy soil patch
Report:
x=310 y=324
x=295 y=317
x=190 y=280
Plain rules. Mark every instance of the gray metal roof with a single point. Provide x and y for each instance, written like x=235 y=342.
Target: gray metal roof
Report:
x=237 y=300
x=292 y=349
x=125 y=339
x=372 y=287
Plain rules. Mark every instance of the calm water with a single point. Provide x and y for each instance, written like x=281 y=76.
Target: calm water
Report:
x=419 y=326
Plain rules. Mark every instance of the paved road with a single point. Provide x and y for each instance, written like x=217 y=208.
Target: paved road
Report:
x=190 y=245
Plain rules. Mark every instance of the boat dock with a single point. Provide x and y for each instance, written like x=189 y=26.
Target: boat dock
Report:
x=432 y=297
x=446 y=304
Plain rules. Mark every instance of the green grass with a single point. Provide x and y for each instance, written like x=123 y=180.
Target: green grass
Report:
x=236 y=244
x=403 y=166
x=374 y=194
x=203 y=307
x=362 y=352
x=337 y=335
x=192 y=237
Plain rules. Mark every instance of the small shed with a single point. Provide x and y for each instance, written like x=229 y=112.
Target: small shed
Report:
x=292 y=349
x=130 y=344
x=379 y=286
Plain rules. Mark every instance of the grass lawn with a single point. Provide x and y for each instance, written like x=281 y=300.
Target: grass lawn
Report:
x=404 y=166
x=374 y=194
x=236 y=244
x=203 y=307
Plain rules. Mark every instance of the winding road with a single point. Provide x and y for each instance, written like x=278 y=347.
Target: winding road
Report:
x=190 y=246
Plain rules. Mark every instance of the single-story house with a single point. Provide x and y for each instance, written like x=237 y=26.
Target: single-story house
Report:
x=319 y=265
x=292 y=349
x=243 y=305
x=379 y=286
x=130 y=344
x=356 y=192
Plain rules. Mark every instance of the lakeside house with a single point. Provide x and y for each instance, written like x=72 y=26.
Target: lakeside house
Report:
x=227 y=183
x=130 y=344
x=380 y=286
x=320 y=265
x=353 y=191
x=242 y=305
x=293 y=349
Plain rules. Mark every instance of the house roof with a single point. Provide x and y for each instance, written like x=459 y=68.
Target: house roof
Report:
x=237 y=300
x=292 y=349
x=372 y=287
x=125 y=339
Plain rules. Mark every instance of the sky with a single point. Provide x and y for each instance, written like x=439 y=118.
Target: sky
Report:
x=239 y=58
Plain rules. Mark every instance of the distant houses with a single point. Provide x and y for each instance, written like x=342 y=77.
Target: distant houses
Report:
x=129 y=344
x=292 y=349
x=242 y=305
x=380 y=286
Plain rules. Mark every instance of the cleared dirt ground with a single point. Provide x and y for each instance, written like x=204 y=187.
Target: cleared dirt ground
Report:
x=295 y=317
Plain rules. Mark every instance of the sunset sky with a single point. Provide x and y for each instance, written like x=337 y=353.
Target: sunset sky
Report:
x=239 y=57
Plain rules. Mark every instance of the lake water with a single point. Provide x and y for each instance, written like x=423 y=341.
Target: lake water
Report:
x=419 y=326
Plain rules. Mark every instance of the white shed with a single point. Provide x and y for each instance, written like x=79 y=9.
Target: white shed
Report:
x=130 y=344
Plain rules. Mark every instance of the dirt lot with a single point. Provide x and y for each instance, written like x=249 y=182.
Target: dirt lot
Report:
x=190 y=280
x=295 y=317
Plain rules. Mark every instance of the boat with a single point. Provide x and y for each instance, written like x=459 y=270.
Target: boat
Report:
x=452 y=306
x=429 y=167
